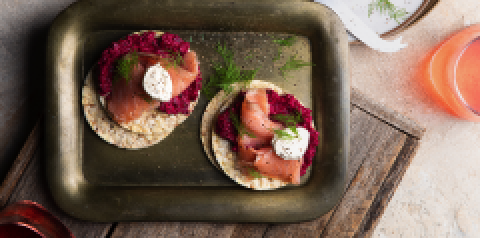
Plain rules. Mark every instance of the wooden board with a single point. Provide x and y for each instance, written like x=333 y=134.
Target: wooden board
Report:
x=382 y=145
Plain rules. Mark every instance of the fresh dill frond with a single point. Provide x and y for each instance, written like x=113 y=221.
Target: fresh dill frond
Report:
x=281 y=134
x=293 y=64
x=385 y=6
x=290 y=121
x=147 y=99
x=255 y=173
x=239 y=126
x=289 y=41
x=283 y=42
x=174 y=60
x=126 y=64
x=226 y=73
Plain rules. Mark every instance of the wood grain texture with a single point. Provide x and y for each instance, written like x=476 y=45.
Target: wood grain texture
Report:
x=370 y=140
x=379 y=156
x=19 y=165
x=389 y=116
x=173 y=229
x=33 y=186
x=388 y=188
x=384 y=145
x=375 y=146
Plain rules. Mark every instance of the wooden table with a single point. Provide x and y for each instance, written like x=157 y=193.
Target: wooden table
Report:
x=382 y=142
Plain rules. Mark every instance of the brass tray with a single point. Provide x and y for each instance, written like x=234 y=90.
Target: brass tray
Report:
x=172 y=181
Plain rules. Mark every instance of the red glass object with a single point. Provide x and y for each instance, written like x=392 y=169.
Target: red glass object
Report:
x=30 y=220
x=452 y=73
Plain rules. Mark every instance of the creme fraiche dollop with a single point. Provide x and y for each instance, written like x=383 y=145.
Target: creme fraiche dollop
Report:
x=292 y=147
x=157 y=82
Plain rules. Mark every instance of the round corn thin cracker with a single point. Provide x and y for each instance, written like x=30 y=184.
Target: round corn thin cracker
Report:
x=110 y=131
x=156 y=122
x=224 y=157
x=211 y=112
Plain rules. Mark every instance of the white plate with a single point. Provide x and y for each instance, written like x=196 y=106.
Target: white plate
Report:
x=381 y=23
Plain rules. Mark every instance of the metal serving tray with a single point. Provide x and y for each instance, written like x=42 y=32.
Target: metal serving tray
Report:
x=174 y=180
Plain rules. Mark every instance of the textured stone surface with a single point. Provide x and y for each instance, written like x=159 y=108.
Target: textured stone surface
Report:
x=438 y=196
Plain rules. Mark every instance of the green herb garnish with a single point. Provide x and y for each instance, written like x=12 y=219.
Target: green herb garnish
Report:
x=147 y=99
x=255 y=173
x=290 y=121
x=239 y=126
x=385 y=6
x=175 y=59
x=125 y=65
x=286 y=42
x=283 y=42
x=281 y=134
x=293 y=64
x=227 y=73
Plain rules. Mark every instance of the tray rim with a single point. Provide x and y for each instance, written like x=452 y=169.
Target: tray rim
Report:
x=73 y=194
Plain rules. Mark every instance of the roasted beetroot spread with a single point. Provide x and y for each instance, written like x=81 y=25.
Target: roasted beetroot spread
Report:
x=279 y=104
x=146 y=42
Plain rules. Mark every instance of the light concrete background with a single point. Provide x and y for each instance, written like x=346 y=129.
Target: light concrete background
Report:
x=439 y=195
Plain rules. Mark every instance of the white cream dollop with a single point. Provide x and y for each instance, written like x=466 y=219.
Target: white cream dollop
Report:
x=158 y=83
x=291 y=148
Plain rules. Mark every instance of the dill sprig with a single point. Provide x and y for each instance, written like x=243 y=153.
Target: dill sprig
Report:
x=283 y=42
x=255 y=173
x=281 y=134
x=125 y=65
x=239 y=126
x=175 y=59
x=290 y=121
x=147 y=99
x=227 y=73
x=385 y=6
x=293 y=64
x=289 y=41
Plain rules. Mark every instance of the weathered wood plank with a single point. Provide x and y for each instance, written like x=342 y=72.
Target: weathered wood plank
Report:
x=173 y=229
x=249 y=230
x=387 y=115
x=388 y=188
x=371 y=139
x=374 y=148
x=33 y=186
x=366 y=134
x=19 y=165
x=385 y=144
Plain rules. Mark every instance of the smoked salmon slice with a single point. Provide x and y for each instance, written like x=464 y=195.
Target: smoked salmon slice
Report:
x=272 y=165
x=129 y=100
x=247 y=147
x=254 y=114
x=257 y=151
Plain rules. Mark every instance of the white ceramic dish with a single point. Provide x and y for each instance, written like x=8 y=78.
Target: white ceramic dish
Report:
x=382 y=23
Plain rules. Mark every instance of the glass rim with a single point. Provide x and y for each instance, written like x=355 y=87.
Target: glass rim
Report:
x=454 y=85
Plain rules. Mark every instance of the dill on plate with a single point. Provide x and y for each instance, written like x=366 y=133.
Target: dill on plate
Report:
x=385 y=6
